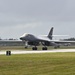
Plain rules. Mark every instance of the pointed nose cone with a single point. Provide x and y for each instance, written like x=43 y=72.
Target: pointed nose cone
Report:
x=21 y=38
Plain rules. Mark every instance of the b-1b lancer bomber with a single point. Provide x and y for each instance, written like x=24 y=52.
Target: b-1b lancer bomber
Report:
x=35 y=41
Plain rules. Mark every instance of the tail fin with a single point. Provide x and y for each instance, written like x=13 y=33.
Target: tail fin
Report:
x=50 y=33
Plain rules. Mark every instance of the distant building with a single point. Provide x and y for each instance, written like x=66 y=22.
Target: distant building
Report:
x=11 y=43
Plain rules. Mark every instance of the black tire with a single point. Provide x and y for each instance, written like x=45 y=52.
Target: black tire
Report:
x=34 y=48
x=44 y=48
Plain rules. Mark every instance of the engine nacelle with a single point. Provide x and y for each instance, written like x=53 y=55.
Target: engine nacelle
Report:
x=33 y=43
x=46 y=43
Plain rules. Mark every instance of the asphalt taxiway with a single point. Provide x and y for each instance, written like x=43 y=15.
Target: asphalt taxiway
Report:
x=38 y=51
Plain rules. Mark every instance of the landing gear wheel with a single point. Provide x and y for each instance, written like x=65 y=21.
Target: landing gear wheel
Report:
x=44 y=48
x=34 y=48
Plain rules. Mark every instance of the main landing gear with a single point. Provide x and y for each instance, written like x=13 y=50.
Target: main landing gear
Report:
x=44 y=48
x=35 y=48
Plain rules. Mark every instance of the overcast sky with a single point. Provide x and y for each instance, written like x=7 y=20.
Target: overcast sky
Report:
x=37 y=17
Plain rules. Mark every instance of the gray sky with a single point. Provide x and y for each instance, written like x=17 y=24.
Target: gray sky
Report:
x=36 y=17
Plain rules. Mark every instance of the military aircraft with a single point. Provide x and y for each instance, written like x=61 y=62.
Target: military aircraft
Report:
x=45 y=40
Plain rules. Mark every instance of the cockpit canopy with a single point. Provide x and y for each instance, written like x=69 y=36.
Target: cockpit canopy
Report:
x=26 y=34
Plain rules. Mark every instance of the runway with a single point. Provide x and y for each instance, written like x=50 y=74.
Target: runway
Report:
x=44 y=51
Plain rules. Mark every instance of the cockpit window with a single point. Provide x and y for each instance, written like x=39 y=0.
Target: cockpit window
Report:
x=28 y=35
x=25 y=34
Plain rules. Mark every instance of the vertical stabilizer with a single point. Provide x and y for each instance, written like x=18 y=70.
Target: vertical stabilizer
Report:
x=50 y=33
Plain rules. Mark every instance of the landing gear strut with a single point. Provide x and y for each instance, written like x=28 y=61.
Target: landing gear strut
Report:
x=26 y=45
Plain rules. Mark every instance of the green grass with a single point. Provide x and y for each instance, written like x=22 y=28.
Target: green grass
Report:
x=38 y=64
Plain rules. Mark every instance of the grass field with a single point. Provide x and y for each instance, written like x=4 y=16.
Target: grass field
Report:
x=38 y=64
